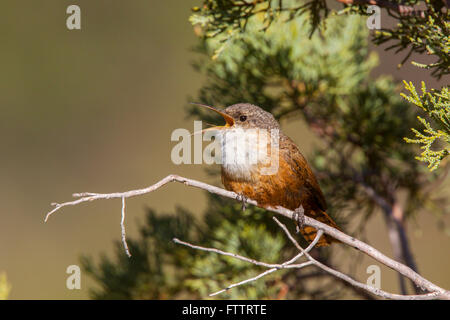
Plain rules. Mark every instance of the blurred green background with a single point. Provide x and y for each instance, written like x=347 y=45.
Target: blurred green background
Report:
x=93 y=110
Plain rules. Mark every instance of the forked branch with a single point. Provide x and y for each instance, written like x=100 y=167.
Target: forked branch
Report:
x=435 y=292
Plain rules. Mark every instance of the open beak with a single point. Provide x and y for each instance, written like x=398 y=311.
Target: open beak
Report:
x=229 y=122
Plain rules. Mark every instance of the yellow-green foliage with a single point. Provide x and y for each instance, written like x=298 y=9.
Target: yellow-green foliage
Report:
x=430 y=34
x=437 y=105
x=323 y=78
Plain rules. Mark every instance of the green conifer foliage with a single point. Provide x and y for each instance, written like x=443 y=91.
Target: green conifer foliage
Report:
x=297 y=60
x=425 y=31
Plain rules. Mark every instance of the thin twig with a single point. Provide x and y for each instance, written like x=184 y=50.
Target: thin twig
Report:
x=437 y=292
x=311 y=261
x=265 y=273
x=273 y=267
x=122 y=226
x=350 y=280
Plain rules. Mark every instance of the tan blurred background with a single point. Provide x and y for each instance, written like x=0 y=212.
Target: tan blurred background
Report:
x=93 y=110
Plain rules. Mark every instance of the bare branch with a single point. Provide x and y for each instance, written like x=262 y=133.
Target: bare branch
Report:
x=234 y=255
x=396 y=230
x=273 y=267
x=265 y=273
x=122 y=226
x=350 y=280
x=436 y=291
x=311 y=261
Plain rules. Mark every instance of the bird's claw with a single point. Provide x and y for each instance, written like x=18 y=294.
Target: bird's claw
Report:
x=243 y=199
x=299 y=217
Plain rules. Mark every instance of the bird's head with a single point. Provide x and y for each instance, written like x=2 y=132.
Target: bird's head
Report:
x=244 y=116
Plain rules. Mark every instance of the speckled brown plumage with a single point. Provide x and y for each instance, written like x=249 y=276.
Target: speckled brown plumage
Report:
x=292 y=186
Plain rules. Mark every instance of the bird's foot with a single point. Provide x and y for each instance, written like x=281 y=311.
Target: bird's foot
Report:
x=243 y=199
x=299 y=217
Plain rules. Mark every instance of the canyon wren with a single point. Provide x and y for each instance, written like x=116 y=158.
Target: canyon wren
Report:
x=292 y=185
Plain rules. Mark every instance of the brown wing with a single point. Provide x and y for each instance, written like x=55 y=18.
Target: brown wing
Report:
x=306 y=181
x=293 y=185
x=310 y=194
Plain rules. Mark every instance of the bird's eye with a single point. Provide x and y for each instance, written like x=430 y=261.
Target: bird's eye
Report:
x=243 y=118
